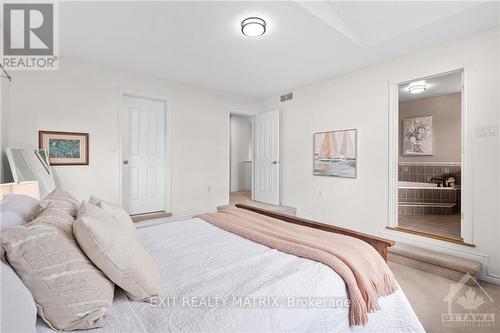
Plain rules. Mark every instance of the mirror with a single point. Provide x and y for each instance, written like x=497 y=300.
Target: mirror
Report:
x=31 y=164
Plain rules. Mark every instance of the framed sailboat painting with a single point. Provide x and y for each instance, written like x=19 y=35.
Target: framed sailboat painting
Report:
x=335 y=153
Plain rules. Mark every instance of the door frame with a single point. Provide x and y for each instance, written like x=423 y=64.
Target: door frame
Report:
x=393 y=130
x=228 y=152
x=122 y=92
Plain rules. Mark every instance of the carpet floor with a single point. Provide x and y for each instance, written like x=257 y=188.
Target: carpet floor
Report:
x=427 y=292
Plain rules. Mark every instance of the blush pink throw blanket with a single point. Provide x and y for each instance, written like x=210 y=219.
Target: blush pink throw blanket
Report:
x=365 y=273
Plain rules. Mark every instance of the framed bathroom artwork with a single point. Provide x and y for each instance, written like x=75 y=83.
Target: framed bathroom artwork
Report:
x=335 y=153
x=65 y=148
x=418 y=136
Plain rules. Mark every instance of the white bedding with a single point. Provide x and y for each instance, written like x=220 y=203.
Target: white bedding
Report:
x=201 y=261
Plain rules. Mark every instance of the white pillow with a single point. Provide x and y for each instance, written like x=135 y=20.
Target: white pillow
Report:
x=17 y=209
x=114 y=248
x=115 y=210
x=18 y=309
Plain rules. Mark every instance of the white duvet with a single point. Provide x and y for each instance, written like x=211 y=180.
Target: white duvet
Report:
x=215 y=281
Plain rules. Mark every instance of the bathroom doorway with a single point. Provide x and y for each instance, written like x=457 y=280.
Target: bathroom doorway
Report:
x=240 y=158
x=430 y=156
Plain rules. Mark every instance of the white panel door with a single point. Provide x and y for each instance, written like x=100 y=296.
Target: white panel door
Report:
x=266 y=158
x=143 y=154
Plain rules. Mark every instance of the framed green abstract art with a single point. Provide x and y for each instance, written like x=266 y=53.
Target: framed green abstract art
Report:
x=65 y=148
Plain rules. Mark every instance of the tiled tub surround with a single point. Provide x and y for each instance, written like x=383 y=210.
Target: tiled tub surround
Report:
x=422 y=172
x=428 y=201
x=420 y=199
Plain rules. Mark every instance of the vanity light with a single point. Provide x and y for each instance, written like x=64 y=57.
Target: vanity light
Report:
x=417 y=87
x=253 y=27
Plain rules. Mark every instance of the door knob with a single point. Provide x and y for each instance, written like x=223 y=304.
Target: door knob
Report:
x=125 y=162
x=275 y=162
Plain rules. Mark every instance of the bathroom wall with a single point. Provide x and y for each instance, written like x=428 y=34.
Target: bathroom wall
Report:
x=447 y=123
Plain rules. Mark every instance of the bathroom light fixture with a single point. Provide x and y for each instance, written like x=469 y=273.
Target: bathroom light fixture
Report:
x=253 y=27
x=417 y=87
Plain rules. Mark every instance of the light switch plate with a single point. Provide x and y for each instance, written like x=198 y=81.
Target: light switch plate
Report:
x=482 y=131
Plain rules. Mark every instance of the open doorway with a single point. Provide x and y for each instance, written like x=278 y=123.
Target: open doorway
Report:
x=429 y=171
x=240 y=161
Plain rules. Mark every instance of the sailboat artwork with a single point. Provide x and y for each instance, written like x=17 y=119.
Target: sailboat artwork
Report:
x=335 y=153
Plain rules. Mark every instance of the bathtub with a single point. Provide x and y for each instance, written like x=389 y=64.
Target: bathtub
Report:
x=416 y=185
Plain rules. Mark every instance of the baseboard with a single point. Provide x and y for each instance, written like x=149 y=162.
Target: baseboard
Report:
x=241 y=190
x=492 y=278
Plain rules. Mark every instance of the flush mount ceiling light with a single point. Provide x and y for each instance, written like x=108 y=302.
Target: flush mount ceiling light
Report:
x=253 y=27
x=417 y=87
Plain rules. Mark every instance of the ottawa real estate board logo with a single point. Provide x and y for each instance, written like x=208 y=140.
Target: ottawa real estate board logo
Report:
x=466 y=305
x=29 y=36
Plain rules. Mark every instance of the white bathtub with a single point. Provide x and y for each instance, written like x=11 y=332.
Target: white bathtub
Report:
x=416 y=185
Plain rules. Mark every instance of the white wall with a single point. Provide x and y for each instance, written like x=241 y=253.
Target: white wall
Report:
x=241 y=136
x=360 y=100
x=83 y=97
x=4 y=130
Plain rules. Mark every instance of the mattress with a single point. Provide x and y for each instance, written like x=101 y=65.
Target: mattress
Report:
x=215 y=281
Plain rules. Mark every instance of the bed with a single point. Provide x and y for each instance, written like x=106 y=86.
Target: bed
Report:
x=216 y=281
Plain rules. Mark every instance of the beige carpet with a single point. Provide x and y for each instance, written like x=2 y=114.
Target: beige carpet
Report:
x=426 y=293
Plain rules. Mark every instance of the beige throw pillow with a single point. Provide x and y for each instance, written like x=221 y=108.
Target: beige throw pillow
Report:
x=69 y=291
x=57 y=217
x=62 y=200
x=115 y=249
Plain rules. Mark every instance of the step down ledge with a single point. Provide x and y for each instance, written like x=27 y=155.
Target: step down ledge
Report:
x=439 y=259
x=430 y=268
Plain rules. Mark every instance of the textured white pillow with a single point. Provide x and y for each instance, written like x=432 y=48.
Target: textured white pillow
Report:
x=115 y=210
x=18 y=309
x=114 y=248
x=17 y=209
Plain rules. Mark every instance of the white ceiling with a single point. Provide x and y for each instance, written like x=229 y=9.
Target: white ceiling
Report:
x=436 y=86
x=200 y=43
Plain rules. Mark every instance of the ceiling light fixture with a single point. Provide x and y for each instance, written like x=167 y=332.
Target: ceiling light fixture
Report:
x=417 y=87
x=253 y=27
